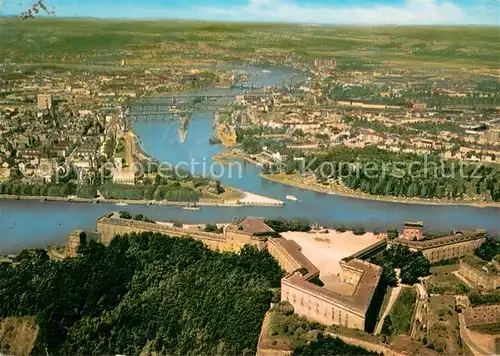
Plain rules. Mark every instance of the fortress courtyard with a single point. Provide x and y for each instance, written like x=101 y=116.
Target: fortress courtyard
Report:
x=325 y=250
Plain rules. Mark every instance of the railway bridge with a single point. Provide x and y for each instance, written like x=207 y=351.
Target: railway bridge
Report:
x=181 y=104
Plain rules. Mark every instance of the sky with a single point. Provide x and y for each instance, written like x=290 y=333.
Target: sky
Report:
x=340 y=12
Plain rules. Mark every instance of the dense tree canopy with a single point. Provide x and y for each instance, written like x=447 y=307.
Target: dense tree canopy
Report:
x=413 y=265
x=172 y=192
x=489 y=249
x=379 y=172
x=282 y=225
x=145 y=292
x=484 y=299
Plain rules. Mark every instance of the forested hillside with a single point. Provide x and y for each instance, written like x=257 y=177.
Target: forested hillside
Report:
x=145 y=292
x=379 y=172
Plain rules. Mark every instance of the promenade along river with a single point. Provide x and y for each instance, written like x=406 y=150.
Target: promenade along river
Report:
x=32 y=223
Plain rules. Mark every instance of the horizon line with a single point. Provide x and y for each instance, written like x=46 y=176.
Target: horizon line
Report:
x=173 y=19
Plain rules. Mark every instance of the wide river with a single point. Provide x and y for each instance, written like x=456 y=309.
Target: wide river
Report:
x=31 y=223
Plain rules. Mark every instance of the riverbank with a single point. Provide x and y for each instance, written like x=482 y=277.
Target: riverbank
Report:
x=247 y=199
x=346 y=192
x=240 y=198
x=226 y=157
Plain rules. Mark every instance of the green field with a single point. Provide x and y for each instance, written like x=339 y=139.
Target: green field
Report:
x=103 y=41
x=402 y=311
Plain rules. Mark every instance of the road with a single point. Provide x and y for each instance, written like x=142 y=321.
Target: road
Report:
x=420 y=309
x=129 y=145
x=392 y=299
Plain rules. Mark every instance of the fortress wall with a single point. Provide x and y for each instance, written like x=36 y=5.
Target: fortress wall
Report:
x=314 y=307
x=350 y=274
x=73 y=243
x=280 y=254
x=109 y=228
x=478 y=276
x=468 y=340
x=236 y=241
x=446 y=247
x=451 y=251
x=272 y=352
x=370 y=346
x=371 y=250
x=482 y=314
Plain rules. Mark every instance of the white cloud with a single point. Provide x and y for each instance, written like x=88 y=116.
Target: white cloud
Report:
x=411 y=12
x=422 y=12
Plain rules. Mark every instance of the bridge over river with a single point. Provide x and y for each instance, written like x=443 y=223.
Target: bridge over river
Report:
x=185 y=103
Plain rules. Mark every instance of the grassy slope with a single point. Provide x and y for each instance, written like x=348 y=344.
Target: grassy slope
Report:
x=52 y=39
x=402 y=311
x=443 y=331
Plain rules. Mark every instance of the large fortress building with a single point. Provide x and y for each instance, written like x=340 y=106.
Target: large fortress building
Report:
x=483 y=274
x=235 y=236
x=458 y=244
x=346 y=299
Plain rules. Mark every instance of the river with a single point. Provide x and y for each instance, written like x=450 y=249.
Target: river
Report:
x=31 y=223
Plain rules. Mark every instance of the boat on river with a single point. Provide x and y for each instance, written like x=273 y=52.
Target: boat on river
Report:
x=291 y=197
x=121 y=204
x=193 y=207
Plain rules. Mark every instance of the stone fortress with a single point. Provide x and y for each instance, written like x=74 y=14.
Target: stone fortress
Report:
x=474 y=318
x=483 y=274
x=348 y=298
x=456 y=245
x=344 y=301
x=233 y=238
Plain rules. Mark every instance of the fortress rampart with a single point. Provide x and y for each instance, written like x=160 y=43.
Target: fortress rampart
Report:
x=289 y=255
x=447 y=247
x=345 y=302
x=482 y=314
x=109 y=227
x=482 y=274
